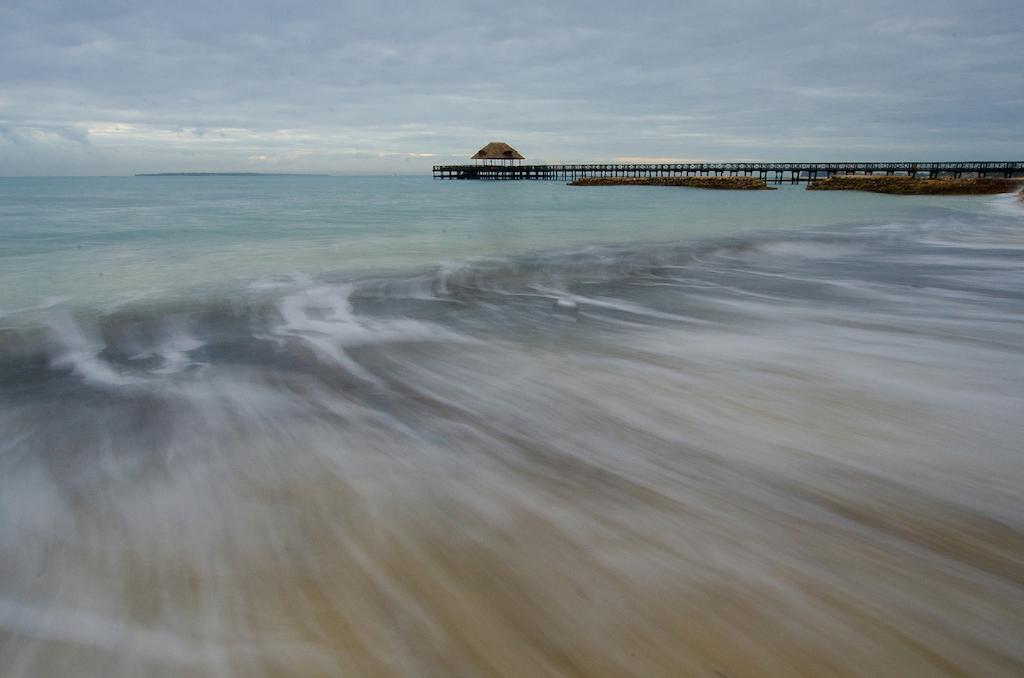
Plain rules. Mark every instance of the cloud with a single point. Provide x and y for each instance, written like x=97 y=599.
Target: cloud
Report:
x=382 y=86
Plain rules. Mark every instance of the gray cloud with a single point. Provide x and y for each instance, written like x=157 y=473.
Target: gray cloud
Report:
x=118 y=87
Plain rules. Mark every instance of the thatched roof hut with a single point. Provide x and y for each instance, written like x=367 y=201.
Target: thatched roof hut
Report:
x=498 y=150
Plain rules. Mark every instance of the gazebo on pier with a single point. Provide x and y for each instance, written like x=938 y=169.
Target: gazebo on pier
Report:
x=498 y=153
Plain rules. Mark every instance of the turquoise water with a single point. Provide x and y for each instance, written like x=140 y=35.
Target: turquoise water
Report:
x=87 y=241
x=389 y=426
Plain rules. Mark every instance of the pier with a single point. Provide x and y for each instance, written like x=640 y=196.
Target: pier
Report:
x=771 y=172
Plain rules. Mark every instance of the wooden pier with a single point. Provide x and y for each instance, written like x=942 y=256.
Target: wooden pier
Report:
x=772 y=172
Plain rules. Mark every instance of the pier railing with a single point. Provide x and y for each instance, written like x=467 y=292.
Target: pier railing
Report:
x=776 y=172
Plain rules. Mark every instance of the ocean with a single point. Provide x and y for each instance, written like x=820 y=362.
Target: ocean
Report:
x=285 y=425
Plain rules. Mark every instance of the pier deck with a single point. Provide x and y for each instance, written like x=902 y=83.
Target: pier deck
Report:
x=772 y=172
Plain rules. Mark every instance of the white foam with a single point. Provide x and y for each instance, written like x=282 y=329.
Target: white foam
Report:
x=1008 y=204
x=570 y=300
x=807 y=249
x=445 y=272
x=173 y=353
x=81 y=354
x=323 y=319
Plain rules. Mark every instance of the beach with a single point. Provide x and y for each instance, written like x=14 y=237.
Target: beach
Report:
x=300 y=426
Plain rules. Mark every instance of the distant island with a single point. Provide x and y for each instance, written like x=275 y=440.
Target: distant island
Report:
x=227 y=174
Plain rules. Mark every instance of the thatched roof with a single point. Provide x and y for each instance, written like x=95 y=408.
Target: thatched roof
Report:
x=498 y=150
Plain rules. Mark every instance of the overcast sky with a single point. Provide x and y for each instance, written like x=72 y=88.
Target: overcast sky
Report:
x=116 y=87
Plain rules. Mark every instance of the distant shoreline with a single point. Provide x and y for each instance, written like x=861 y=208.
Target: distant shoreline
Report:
x=227 y=174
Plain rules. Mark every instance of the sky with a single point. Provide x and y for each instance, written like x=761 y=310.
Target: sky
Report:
x=98 y=87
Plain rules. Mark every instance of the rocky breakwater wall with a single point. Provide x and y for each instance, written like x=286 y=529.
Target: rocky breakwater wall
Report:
x=729 y=183
x=903 y=185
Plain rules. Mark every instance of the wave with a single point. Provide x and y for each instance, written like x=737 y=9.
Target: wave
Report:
x=746 y=455
x=457 y=301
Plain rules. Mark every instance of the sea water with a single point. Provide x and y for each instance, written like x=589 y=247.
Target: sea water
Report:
x=392 y=426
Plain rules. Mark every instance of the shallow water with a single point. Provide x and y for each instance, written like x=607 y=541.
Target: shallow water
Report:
x=782 y=442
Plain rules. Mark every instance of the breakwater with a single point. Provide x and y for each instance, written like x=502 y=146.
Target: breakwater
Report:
x=740 y=183
x=909 y=186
